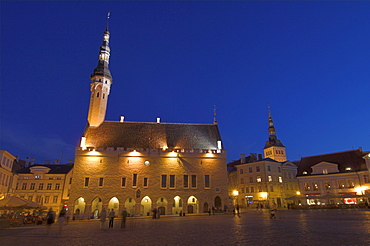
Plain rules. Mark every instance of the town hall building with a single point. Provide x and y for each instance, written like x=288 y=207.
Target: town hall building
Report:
x=141 y=166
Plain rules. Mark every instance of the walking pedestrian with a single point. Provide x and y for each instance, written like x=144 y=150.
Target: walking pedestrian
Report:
x=124 y=216
x=103 y=218
x=111 y=218
x=50 y=217
x=61 y=220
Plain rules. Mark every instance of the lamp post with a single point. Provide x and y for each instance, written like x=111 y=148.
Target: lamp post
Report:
x=236 y=204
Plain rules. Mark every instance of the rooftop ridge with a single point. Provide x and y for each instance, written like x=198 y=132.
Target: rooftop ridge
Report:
x=154 y=123
x=332 y=153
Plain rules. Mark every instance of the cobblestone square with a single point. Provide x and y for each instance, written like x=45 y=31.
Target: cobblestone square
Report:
x=291 y=227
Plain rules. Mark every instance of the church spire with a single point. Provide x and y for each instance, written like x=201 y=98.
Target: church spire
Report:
x=101 y=80
x=274 y=149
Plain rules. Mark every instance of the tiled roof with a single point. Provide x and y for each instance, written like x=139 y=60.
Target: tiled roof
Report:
x=351 y=158
x=54 y=169
x=153 y=135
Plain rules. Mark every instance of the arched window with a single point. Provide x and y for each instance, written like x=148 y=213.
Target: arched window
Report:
x=97 y=94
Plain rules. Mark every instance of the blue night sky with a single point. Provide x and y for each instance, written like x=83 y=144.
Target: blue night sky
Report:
x=308 y=60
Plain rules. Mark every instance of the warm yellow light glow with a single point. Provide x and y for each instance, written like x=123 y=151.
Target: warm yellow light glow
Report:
x=298 y=193
x=177 y=198
x=114 y=200
x=164 y=147
x=93 y=152
x=172 y=154
x=134 y=153
x=2 y=197
x=235 y=193
x=209 y=154
x=264 y=195
x=81 y=199
x=361 y=189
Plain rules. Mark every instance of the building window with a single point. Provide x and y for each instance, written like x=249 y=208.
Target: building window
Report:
x=24 y=186
x=307 y=186
x=351 y=184
x=206 y=181
x=37 y=176
x=269 y=178
x=134 y=180
x=279 y=169
x=57 y=186
x=315 y=186
x=123 y=182
x=259 y=179
x=366 y=178
x=70 y=180
x=101 y=182
x=172 y=181
x=145 y=182
x=271 y=188
x=47 y=198
x=250 y=179
x=280 y=179
x=340 y=184
x=259 y=188
x=55 y=199
x=30 y=198
x=193 y=181
x=242 y=181
x=186 y=181
x=32 y=186
x=250 y=170
x=268 y=168
x=327 y=185
x=325 y=171
x=241 y=171
x=164 y=181
x=247 y=189
x=38 y=199
x=86 y=184
x=41 y=186
x=252 y=189
x=257 y=168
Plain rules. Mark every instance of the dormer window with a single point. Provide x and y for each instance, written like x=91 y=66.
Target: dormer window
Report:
x=304 y=172
x=325 y=171
x=348 y=169
x=37 y=176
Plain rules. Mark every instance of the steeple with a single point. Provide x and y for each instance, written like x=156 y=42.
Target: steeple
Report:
x=101 y=80
x=273 y=149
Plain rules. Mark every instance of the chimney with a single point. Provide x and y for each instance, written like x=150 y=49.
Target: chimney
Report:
x=27 y=164
x=158 y=120
x=259 y=157
x=122 y=119
x=32 y=161
x=56 y=161
x=360 y=149
x=253 y=157
x=242 y=158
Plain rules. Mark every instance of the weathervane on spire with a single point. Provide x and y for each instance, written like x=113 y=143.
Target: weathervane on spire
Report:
x=214 y=114
x=108 y=15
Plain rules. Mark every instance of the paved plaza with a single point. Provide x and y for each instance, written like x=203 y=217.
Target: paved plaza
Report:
x=291 y=227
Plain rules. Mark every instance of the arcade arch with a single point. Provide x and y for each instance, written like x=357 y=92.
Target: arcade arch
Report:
x=96 y=207
x=146 y=206
x=192 y=205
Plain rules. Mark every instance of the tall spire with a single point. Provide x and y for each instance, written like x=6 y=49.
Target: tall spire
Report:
x=273 y=149
x=101 y=80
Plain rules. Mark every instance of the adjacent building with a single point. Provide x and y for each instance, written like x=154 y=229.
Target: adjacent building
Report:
x=261 y=182
x=47 y=184
x=6 y=174
x=141 y=166
x=335 y=178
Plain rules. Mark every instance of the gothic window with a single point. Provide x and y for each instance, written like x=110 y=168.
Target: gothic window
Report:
x=172 y=181
x=194 y=181
x=85 y=184
x=101 y=182
x=164 y=181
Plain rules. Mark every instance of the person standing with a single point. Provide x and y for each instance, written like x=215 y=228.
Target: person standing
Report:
x=50 y=217
x=111 y=218
x=103 y=218
x=124 y=216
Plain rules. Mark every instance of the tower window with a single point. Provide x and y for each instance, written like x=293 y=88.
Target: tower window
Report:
x=97 y=94
x=103 y=95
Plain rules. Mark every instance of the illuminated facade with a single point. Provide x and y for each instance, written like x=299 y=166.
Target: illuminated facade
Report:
x=6 y=174
x=141 y=166
x=47 y=185
x=335 y=178
x=263 y=182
